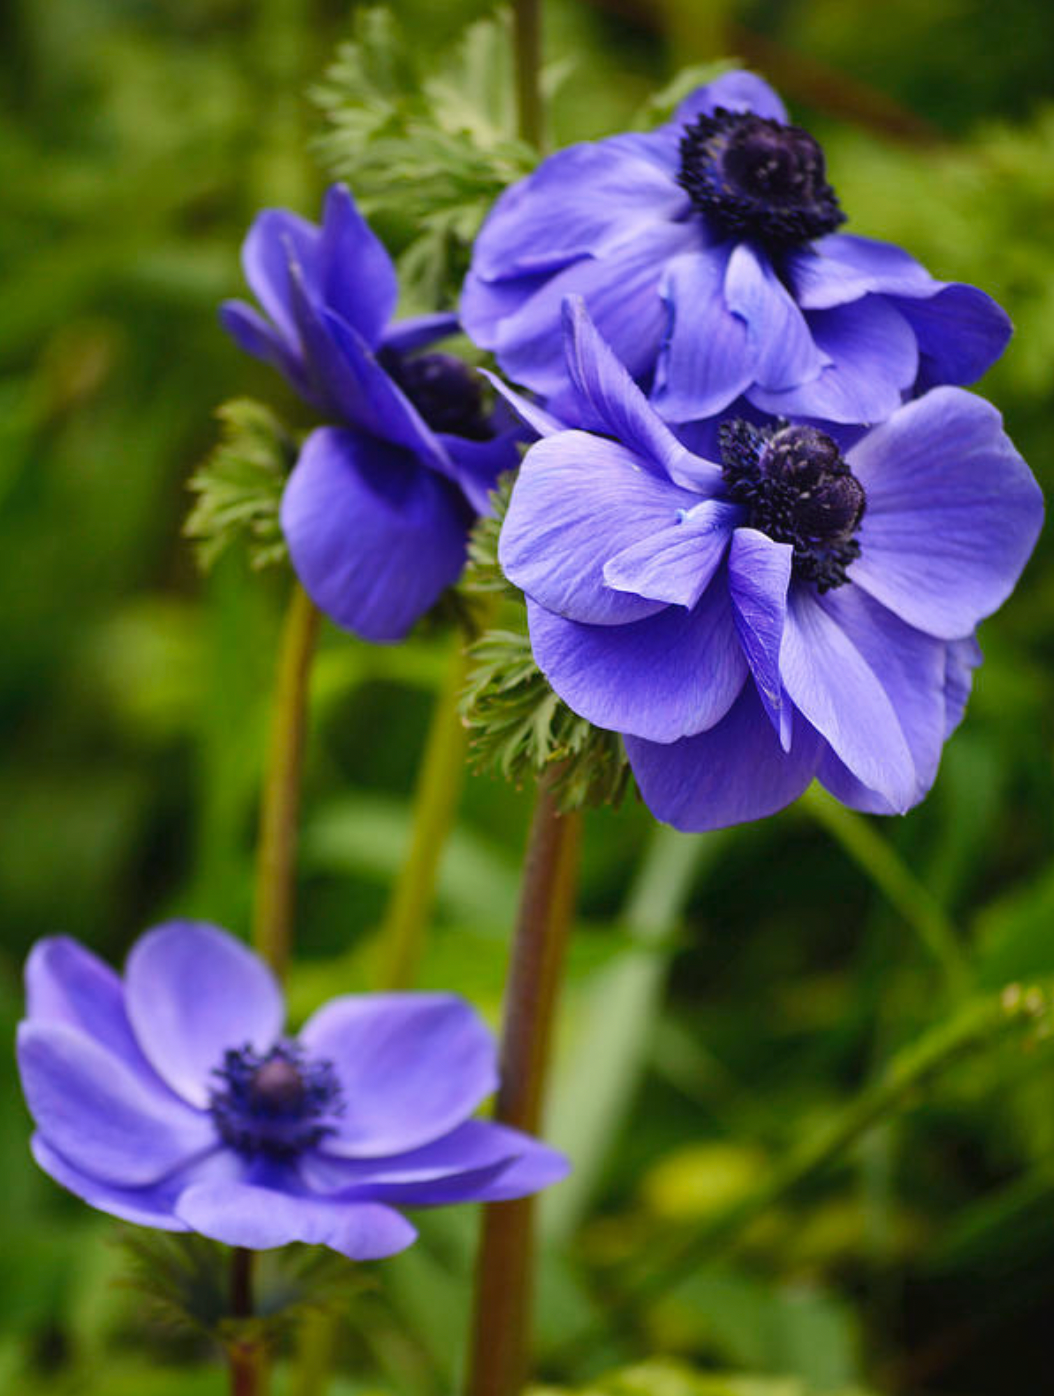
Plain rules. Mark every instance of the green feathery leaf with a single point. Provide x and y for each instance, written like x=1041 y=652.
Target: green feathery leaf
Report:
x=427 y=143
x=239 y=488
x=518 y=726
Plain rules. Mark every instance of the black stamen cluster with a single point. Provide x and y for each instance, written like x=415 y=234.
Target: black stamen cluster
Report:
x=797 y=489
x=757 y=178
x=274 y=1105
x=447 y=393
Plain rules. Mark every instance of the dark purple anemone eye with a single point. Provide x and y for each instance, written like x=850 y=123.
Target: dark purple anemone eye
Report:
x=797 y=489
x=447 y=392
x=275 y=1105
x=758 y=178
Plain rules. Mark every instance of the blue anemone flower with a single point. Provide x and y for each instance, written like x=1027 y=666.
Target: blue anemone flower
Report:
x=377 y=510
x=796 y=609
x=708 y=257
x=175 y=1099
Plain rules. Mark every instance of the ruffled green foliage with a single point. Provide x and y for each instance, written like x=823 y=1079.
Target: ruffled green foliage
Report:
x=519 y=727
x=239 y=488
x=426 y=143
x=185 y=1281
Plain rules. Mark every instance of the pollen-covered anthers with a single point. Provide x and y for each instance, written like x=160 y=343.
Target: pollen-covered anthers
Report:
x=758 y=178
x=447 y=392
x=797 y=489
x=277 y=1104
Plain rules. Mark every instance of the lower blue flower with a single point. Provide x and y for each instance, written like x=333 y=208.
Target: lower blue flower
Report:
x=798 y=609
x=378 y=507
x=174 y=1099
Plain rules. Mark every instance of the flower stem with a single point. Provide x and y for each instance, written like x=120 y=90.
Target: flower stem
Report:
x=435 y=806
x=280 y=807
x=499 y=1350
x=247 y=1359
x=527 y=45
x=891 y=875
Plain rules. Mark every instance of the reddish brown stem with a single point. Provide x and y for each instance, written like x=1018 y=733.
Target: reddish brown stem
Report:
x=499 y=1354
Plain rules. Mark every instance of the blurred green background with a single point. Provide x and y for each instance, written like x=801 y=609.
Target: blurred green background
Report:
x=701 y=1045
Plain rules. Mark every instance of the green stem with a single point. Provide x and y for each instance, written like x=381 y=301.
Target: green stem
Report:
x=891 y=875
x=527 y=46
x=435 y=807
x=247 y=1359
x=978 y=1024
x=501 y=1325
x=280 y=805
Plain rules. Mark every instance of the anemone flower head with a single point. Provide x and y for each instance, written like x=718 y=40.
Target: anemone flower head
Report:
x=175 y=1099
x=710 y=258
x=795 y=609
x=378 y=507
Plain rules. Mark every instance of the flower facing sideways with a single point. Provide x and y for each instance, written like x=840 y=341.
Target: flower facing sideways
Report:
x=791 y=611
x=173 y=1099
x=709 y=256
x=377 y=510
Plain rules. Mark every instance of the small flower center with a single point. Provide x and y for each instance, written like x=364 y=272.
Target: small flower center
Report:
x=447 y=393
x=757 y=178
x=275 y=1105
x=797 y=489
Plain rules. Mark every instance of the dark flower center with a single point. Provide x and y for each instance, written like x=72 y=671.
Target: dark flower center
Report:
x=447 y=393
x=757 y=178
x=274 y=1105
x=797 y=489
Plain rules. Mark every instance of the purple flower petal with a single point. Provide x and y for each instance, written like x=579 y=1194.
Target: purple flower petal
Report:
x=833 y=686
x=735 y=91
x=276 y=237
x=146 y=1206
x=952 y=513
x=780 y=343
x=375 y=537
x=260 y=1218
x=348 y=380
x=699 y=373
x=578 y=500
x=961 y=332
x=665 y=677
x=675 y=564
x=734 y=773
x=252 y=333
x=354 y=276
x=419 y=331
x=477 y=465
x=842 y=267
x=67 y=984
x=411 y=1067
x=621 y=292
x=909 y=665
x=478 y=1161
x=193 y=992
x=98 y=1113
x=759 y=572
x=610 y=402
x=873 y=361
x=604 y=193
x=962 y=657
x=539 y=419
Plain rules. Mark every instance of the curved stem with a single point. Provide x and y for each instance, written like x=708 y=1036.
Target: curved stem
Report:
x=499 y=1352
x=435 y=806
x=280 y=806
x=527 y=43
x=896 y=881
